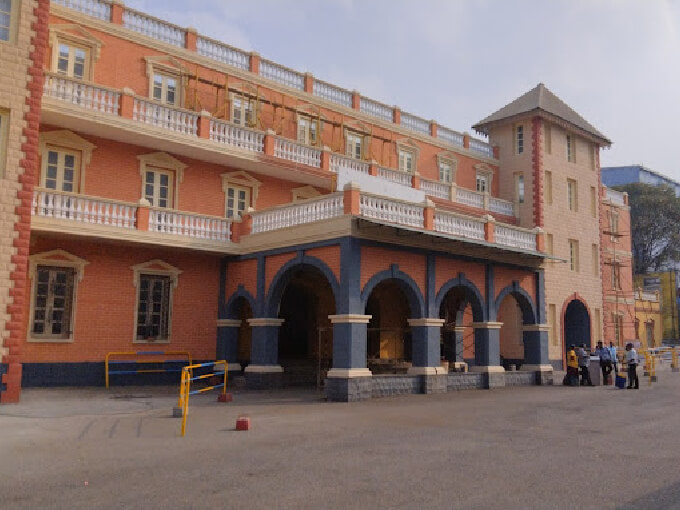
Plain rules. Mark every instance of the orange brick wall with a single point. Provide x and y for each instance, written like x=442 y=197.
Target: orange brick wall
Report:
x=272 y=266
x=106 y=298
x=374 y=260
x=504 y=276
x=328 y=254
x=241 y=273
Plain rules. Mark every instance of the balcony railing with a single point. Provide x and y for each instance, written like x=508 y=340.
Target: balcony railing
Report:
x=282 y=75
x=222 y=53
x=339 y=162
x=153 y=27
x=395 y=176
x=470 y=198
x=482 y=148
x=166 y=117
x=450 y=136
x=317 y=209
x=457 y=225
x=375 y=109
x=85 y=95
x=236 y=136
x=515 y=237
x=500 y=206
x=190 y=225
x=332 y=93
x=95 y=8
x=78 y=208
x=436 y=188
x=297 y=152
x=391 y=211
x=414 y=123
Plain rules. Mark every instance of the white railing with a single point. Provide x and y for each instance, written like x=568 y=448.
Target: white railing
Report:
x=166 y=117
x=292 y=151
x=236 y=136
x=456 y=225
x=414 y=123
x=92 y=97
x=615 y=197
x=480 y=147
x=375 y=109
x=391 y=211
x=332 y=93
x=500 y=206
x=339 y=162
x=222 y=53
x=154 y=27
x=516 y=238
x=436 y=188
x=395 y=176
x=470 y=198
x=450 y=136
x=52 y=204
x=95 y=8
x=282 y=75
x=190 y=225
x=308 y=211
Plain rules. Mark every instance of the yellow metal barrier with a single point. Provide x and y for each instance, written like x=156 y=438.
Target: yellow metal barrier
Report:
x=185 y=385
x=139 y=355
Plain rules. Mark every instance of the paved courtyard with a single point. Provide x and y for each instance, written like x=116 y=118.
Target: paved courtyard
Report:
x=528 y=447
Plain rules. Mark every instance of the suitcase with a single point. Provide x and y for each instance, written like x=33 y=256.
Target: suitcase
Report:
x=620 y=382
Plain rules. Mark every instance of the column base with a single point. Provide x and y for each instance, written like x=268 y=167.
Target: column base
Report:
x=460 y=366
x=348 y=373
x=494 y=376
x=544 y=373
x=264 y=377
x=354 y=387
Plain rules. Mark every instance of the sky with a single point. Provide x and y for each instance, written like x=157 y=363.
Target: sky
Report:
x=616 y=62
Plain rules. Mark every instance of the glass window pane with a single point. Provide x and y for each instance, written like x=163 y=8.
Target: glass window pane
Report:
x=164 y=179
x=149 y=177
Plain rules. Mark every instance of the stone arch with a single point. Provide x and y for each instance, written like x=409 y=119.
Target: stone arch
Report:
x=472 y=295
x=524 y=300
x=230 y=307
x=577 y=300
x=405 y=282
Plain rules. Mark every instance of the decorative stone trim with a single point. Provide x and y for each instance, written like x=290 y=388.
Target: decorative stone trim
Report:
x=348 y=373
x=243 y=180
x=163 y=161
x=426 y=322
x=264 y=321
x=228 y=323
x=536 y=327
x=350 y=319
x=264 y=369
x=65 y=139
x=536 y=368
x=58 y=258
x=487 y=369
x=157 y=267
x=460 y=329
x=487 y=325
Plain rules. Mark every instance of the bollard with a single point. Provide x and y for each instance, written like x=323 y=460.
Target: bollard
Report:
x=243 y=423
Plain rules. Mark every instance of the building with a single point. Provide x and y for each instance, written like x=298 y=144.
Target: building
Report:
x=666 y=284
x=620 y=175
x=192 y=196
x=23 y=39
x=648 y=319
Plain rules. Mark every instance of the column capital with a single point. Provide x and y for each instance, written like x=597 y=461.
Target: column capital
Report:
x=228 y=323
x=264 y=369
x=350 y=318
x=487 y=325
x=264 y=321
x=536 y=327
x=426 y=322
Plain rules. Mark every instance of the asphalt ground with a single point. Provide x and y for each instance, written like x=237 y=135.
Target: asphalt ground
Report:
x=526 y=447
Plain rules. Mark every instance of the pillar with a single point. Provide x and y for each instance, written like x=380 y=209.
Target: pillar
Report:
x=536 y=352
x=488 y=353
x=264 y=370
x=227 y=342
x=426 y=357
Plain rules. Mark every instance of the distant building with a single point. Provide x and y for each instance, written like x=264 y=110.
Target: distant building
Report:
x=620 y=175
x=666 y=283
x=648 y=318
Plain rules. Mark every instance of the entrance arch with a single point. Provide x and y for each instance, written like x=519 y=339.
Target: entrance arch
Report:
x=515 y=309
x=576 y=323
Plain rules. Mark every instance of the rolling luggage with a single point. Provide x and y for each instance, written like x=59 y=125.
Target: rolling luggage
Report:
x=620 y=381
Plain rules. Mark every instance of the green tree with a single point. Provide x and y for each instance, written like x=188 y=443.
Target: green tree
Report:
x=655 y=226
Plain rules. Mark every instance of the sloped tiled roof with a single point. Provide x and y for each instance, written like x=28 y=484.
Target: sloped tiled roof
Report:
x=540 y=98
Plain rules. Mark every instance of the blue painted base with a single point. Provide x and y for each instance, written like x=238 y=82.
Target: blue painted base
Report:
x=3 y=370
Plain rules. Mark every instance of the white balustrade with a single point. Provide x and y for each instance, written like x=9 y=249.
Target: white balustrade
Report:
x=391 y=211
x=282 y=75
x=514 y=237
x=500 y=206
x=166 y=117
x=414 y=123
x=52 y=204
x=470 y=198
x=332 y=93
x=339 y=162
x=292 y=151
x=95 y=8
x=389 y=174
x=236 y=136
x=436 y=188
x=450 y=136
x=615 y=197
x=375 y=109
x=330 y=206
x=190 y=225
x=449 y=223
x=480 y=147
x=154 y=27
x=92 y=97
x=222 y=53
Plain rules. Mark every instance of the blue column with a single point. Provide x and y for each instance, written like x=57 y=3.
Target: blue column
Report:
x=264 y=350
x=349 y=341
x=426 y=343
x=487 y=344
x=536 y=344
x=227 y=342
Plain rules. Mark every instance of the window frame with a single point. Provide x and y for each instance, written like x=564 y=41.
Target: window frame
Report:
x=447 y=159
x=161 y=162
x=311 y=127
x=548 y=187
x=613 y=225
x=237 y=212
x=572 y=194
x=245 y=105
x=13 y=23
x=74 y=36
x=165 y=76
x=518 y=138
x=595 y=256
x=159 y=268
x=66 y=141
x=158 y=172
x=571 y=148
x=574 y=255
x=356 y=149
x=520 y=187
x=240 y=179
x=62 y=153
x=593 y=201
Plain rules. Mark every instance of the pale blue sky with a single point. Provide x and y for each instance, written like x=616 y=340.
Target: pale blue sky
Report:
x=616 y=62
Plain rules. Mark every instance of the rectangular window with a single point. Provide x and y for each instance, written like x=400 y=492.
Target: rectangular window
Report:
x=549 y=247
x=5 y=20
x=616 y=276
x=519 y=139
x=548 y=139
x=153 y=307
x=548 y=187
x=53 y=303
x=445 y=172
x=573 y=255
x=72 y=61
x=614 y=226
x=596 y=326
x=238 y=201
x=406 y=161
x=242 y=111
x=482 y=183
x=353 y=143
x=519 y=187
x=596 y=259
x=307 y=130
x=158 y=187
x=571 y=149
x=593 y=202
x=60 y=170
x=572 y=194
x=165 y=88
x=4 y=132
x=552 y=321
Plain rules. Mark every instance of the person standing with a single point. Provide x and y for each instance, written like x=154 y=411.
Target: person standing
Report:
x=572 y=367
x=605 y=361
x=632 y=361
x=584 y=365
x=615 y=361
